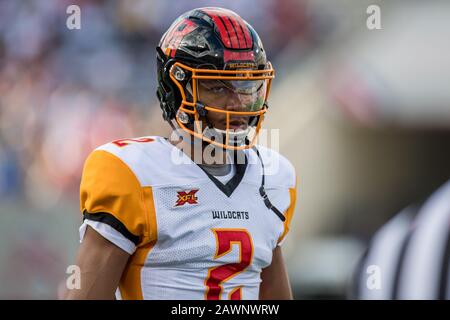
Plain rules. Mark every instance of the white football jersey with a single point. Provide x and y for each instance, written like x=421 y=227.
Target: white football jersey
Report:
x=189 y=235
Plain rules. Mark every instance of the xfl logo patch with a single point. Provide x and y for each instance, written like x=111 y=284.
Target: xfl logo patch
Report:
x=186 y=197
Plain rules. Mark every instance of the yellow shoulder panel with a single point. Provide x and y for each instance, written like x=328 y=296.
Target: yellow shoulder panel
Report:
x=109 y=186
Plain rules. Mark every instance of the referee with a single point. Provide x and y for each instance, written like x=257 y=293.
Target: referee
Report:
x=408 y=258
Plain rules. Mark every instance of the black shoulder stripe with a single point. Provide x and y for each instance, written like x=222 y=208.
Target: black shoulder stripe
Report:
x=113 y=222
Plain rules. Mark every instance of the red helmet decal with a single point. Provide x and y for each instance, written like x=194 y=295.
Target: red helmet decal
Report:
x=176 y=33
x=232 y=29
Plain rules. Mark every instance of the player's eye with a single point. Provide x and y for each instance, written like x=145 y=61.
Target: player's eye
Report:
x=218 y=90
x=215 y=87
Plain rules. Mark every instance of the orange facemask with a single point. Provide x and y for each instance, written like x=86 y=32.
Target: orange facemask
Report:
x=233 y=93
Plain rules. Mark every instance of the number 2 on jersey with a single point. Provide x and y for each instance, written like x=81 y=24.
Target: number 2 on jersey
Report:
x=225 y=238
x=125 y=142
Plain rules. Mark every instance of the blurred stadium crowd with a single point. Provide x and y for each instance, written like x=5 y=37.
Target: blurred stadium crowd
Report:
x=64 y=92
x=368 y=132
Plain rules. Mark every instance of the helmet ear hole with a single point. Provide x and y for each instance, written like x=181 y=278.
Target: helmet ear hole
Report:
x=167 y=92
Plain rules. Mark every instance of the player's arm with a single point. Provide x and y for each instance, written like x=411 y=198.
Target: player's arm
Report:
x=101 y=265
x=115 y=222
x=275 y=282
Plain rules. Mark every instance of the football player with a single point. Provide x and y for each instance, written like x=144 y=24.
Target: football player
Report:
x=161 y=223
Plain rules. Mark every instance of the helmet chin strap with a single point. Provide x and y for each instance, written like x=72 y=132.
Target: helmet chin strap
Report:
x=179 y=133
x=262 y=190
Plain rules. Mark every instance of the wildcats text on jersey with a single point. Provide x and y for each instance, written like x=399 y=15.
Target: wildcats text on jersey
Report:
x=222 y=214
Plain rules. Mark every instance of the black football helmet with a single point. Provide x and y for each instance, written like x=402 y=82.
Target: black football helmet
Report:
x=204 y=55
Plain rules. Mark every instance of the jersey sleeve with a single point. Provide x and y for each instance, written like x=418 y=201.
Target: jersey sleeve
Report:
x=109 y=233
x=110 y=193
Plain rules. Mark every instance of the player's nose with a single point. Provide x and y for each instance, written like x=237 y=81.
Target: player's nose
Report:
x=234 y=102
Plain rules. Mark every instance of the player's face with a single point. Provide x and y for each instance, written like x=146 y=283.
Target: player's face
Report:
x=238 y=96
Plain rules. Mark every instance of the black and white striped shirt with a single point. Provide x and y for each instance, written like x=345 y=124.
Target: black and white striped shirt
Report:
x=410 y=255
